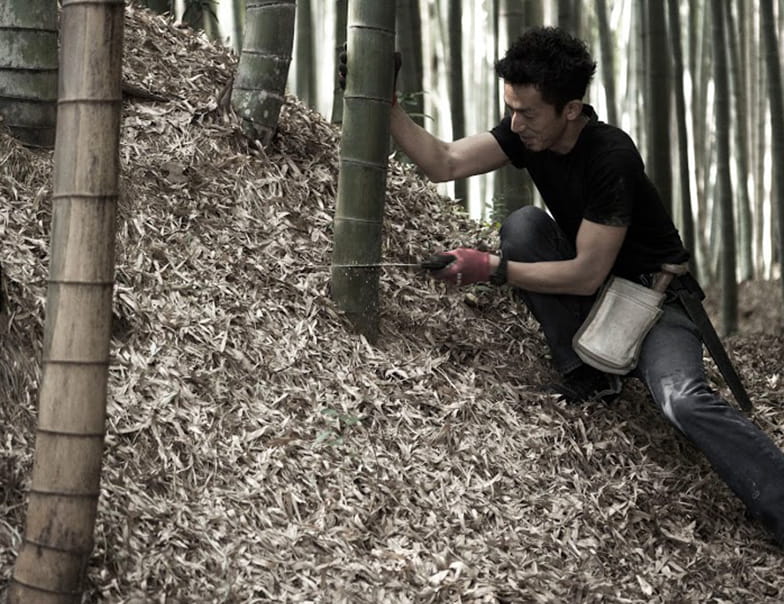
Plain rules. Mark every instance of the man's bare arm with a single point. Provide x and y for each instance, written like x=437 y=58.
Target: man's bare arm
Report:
x=440 y=160
x=597 y=248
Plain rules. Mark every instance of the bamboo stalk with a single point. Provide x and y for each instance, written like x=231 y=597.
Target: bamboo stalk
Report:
x=363 y=161
x=28 y=70
x=341 y=16
x=263 y=68
x=65 y=483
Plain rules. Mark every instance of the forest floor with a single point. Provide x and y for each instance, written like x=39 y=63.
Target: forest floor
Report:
x=258 y=451
x=760 y=307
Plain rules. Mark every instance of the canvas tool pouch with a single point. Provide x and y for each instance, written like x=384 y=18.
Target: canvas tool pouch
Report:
x=611 y=336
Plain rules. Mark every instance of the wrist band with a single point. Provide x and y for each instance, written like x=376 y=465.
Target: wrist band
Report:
x=499 y=276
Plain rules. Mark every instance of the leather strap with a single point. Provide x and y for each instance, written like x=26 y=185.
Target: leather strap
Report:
x=692 y=304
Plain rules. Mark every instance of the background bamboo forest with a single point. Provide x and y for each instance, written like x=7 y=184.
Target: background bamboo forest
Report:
x=697 y=84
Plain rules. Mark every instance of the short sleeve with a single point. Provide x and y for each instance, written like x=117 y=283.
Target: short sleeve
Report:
x=510 y=143
x=613 y=182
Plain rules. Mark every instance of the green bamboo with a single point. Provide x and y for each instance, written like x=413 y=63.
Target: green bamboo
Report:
x=776 y=96
x=363 y=162
x=659 y=96
x=728 y=266
x=201 y=15
x=456 y=93
x=305 y=76
x=410 y=81
x=238 y=25
x=607 y=45
x=159 y=6
x=736 y=38
x=686 y=216
x=569 y=16
x=341 y=9
x=259 y=87
x=514 y=187
x=210 y=20
x=65 y=484
x=28 y=70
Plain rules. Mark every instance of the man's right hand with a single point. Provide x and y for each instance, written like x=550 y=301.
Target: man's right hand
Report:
x=467 y=266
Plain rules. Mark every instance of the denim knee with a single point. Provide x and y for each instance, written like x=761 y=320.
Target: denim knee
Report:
x=686 y=404
x=529 y=234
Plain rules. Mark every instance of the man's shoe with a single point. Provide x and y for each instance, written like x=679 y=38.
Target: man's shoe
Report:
x=586 y=384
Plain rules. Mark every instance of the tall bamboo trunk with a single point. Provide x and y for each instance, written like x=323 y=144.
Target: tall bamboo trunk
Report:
x=569 y=16
x=686 y=217
x=305 y=54
x=363 y=162
x=260 y=85
x=659 y=96
x=761 y=133
x=456 y=93
x=736 y=37
x=607 y=45
x=703 y=144
x=341 y=9
x=776 y=95
x=159 y=6
x=638 y=92
x=410 y=81
x=210 y=22
x=72 y=406
x=238 y=25
x=514 y=187
x=729 y=283
x=28 y=69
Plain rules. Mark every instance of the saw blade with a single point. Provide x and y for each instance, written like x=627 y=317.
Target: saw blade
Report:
x=379 y=265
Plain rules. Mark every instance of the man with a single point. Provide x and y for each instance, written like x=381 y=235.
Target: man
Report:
x=607 y=219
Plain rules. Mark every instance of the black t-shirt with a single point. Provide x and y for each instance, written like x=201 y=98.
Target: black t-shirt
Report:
x=602 y=179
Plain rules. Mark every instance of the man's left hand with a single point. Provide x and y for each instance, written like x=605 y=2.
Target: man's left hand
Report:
x=343 y=69
x=469 y=266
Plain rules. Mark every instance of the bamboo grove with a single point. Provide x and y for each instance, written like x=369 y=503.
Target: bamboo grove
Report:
x=697 y=83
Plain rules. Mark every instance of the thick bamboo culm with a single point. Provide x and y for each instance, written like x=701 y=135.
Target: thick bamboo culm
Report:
x=364 y=149
x=260 y=84
x=63 y=499
x=28 y=70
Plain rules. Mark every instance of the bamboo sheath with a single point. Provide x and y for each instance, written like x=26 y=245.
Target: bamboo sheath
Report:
x=259 y=87
x=28 y=69
x=65 y=483
x=363 y=162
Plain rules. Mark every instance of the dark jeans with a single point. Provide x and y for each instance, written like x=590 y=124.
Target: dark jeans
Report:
x=670 y=365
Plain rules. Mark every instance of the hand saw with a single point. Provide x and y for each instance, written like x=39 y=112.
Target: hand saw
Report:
x=434 y=263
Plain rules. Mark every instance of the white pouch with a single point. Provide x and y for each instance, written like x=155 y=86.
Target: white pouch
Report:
x=611 y=336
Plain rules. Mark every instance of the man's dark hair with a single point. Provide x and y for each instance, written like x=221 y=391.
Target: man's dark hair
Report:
x=557 y=63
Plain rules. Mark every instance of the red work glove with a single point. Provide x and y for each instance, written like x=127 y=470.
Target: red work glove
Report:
x=469 y=266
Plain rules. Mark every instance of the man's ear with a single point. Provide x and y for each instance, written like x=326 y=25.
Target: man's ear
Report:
x=573 y=109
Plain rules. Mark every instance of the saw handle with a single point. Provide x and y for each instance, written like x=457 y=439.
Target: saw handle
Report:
x=438 y=262
x=668 y=272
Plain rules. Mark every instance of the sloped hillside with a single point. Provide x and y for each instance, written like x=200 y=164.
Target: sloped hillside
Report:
x=258 y=451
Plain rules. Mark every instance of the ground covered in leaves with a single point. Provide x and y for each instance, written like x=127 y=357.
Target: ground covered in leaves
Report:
x=258 y=451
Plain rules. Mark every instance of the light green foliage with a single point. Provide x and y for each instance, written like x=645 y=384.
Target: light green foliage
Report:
x=335 y=437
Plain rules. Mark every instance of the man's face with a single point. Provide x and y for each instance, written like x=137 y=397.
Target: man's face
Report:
x=534 y=121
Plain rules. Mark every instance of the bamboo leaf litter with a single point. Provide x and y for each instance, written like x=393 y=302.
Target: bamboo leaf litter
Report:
x=459 y=482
